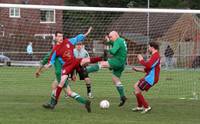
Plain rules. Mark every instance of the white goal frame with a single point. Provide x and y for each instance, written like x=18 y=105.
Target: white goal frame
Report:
x=78 y=8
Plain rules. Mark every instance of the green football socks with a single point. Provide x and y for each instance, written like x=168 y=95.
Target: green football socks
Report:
x=120 y=90
x=78 y=98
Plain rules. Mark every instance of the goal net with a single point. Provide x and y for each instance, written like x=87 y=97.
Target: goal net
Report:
x=177 y=31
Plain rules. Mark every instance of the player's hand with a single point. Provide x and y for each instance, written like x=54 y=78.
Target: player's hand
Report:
x=89 y=30
x=74 y=78
x=37 y=74
x=139 y=56
x=134 y=68
x=107 y=38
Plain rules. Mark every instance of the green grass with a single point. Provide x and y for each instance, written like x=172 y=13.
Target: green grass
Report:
x=21 y=97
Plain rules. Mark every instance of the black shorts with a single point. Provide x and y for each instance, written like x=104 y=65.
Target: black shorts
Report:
x=83 y=73
x=143 y=85
x=70 y=76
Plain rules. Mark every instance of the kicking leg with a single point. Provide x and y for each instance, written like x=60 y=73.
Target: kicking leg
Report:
x=79 y=99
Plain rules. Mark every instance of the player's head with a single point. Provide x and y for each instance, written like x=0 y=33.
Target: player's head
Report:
x=59 y=36
x=113 y=35
x=153 y=46
x=79 y=46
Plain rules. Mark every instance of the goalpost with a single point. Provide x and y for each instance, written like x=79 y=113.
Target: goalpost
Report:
x=178 y=29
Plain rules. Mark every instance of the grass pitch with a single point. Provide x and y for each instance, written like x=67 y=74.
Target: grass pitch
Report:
x=21 y=97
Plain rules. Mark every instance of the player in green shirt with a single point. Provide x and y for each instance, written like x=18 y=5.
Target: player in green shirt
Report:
x=116 y=63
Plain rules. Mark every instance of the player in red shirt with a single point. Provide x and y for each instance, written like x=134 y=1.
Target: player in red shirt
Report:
x=64 y=50
x=152 y=70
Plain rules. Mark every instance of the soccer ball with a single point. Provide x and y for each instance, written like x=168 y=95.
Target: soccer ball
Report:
x=104 y=104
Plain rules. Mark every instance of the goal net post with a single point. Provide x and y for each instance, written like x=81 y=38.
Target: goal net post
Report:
x=177 y=29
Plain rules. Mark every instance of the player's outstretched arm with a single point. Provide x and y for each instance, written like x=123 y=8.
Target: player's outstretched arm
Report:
x=140 y=57
x=80 y=37
x=138 y=69
x=47 y=66
x=39 y=71
x=89 y=30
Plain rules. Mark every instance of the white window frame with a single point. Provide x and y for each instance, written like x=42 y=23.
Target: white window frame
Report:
x=54 y=16
x=14 y=14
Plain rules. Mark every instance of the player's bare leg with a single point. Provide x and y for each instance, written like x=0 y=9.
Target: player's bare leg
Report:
x=86 y=61
x=54 y=85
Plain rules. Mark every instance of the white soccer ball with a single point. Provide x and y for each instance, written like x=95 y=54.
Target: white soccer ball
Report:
x=104 y=104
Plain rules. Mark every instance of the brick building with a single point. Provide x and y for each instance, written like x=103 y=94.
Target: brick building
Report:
x=19 y=21
x=19 y=26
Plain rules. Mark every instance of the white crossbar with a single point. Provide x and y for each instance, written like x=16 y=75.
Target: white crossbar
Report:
x=78 y=8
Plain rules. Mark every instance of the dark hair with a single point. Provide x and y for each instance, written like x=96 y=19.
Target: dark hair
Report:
x=155 y=45
x=79 y=43
x=58 y=32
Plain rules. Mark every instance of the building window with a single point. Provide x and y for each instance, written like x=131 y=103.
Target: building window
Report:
x=14 y=12
x=2 y=33
x=47 y=16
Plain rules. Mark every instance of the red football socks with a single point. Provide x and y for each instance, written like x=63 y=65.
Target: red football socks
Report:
x=138 y=100
x=142 y=100
x=58 y=91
